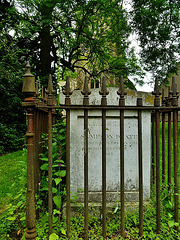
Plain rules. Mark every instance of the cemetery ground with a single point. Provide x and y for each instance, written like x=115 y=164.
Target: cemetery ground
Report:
x=13 y=200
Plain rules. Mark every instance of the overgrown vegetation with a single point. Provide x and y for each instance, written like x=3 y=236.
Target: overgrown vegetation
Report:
x=13 y=197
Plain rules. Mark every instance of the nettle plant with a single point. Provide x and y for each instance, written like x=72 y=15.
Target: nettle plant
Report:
x=58 y=168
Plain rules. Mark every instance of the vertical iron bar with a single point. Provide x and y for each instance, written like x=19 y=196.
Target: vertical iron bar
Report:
x=104 y=172
x=86 y=92
x=139 y=103
x=163 y=139
x=49 y=118
x=36 y=157
x=175 y=146
x=157 y=93
x=153 y=155
x=86 y=173
x=169 y=150
x=157 y=172
x=50 y=195
x=163 y=148
x=67 y=92
x=122 y=170
x=68 y=171
x=104 y=92
x=121 y=92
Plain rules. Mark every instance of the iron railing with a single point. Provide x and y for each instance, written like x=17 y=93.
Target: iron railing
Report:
x=40 y=111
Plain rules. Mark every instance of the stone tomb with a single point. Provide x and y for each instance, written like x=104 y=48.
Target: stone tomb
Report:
x=112 y=152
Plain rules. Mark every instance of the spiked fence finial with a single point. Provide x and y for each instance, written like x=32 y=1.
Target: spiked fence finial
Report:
x=50 y=90
x=174 y=92
x=163 y=98
x=86 y=91
x=67 y=90
x=156 y=93
x=103 y=91
x=121 y=92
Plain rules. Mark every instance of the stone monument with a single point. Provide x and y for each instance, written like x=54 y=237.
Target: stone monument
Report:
x=113 y=147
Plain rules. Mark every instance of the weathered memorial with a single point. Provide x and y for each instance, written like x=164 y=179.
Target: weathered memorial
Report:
x=112 y=146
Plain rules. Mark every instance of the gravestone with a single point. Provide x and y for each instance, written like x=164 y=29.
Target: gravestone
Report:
x=113 y=148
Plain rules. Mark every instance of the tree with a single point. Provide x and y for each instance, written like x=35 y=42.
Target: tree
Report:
x=57 y=36
x=156 y=23
x=88 y=35
x=12 y=118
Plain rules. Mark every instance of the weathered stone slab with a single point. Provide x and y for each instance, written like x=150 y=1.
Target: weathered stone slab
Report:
x=113 y=150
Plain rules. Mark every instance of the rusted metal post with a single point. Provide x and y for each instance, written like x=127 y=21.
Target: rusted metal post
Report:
x=163 y=139
x=175 y=146
x=86 y=93
x=169 y=141
x=29 y=105
x=153 y=152
x=121 y=92
x=50 y=92
x=139 y=103
x=104 y=92
x=157 y=104
x=67 y=92
x=36 y=147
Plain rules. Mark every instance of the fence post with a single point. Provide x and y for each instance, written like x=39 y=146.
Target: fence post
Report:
x=175 y=146
x=104 y=92
x=67 y=93
x=153 y=152
x=163 y=140
x=157 y=115
x=140 y=165
x=121 y=92
x=29 y=105
x=50 y=100
x=86 y=94
x=169 y=139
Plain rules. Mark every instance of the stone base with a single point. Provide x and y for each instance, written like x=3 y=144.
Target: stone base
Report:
x=111 y=197
x=95 y=203
x=95 y=209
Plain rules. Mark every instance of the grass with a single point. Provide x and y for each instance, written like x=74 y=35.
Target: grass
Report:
x=12 y=175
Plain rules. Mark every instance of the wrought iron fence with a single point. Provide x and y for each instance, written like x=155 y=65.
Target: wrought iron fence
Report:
x=40 y=112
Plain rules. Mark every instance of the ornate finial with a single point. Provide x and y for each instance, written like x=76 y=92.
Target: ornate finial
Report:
x=121 y=92
x=67 y=90
x=50 y=90
x=28 y=82
x=169 y=98
x=174 y=92
x=28 y=69
x=157 y=93
x=163 y=98
x=103 y=91
x=86 y=91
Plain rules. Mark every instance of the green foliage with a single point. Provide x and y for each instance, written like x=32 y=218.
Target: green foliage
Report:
x=12 y=220
x=157 y=24
x=58 y=166
x=12 y=195
x=12 y=118
x=88 y=35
